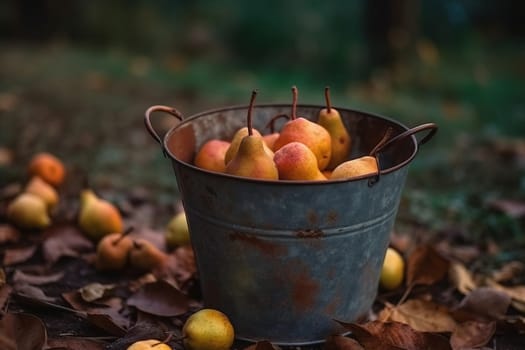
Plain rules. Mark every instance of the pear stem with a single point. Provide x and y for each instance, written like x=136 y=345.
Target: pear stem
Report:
x=136 y=244
x=327 y=99
x=167 y=339
x=381 y=142
x=249 y=117
x=294 y=102
x=125 y=233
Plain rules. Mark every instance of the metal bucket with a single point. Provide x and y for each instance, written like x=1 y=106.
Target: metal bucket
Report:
x=283 y=259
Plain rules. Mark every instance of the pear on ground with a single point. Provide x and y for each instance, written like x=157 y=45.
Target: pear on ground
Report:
x=211 y=155
x=366 y=165
x=393 y=270
x=43 y=190
x=28 y=211
x=98 y=217
x=307 y=132
x=208 y=329
x=177 y=231
x=252 y=159
x=145 y=256
x=295 y=161
x=112 y=251
x=330 y=119
x=149 y=344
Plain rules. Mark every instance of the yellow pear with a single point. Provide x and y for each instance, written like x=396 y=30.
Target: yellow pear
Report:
x=236 y=142
x=28 y=211
x=145 y=256
x=305 y=131
x=149 y=344
x=212 y=154
x=98 y=217
x=295 y=161
x=252 y=160
x=361 y=166
x=44 y=190
x=393 y=270
x=208 y=329
x=177 y=231
x=330 y=119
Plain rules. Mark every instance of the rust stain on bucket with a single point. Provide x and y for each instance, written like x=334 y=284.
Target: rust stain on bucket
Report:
x=265 y=247
x=304 y=291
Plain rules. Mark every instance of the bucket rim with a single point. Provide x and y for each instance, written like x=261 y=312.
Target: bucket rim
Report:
x=192 y=117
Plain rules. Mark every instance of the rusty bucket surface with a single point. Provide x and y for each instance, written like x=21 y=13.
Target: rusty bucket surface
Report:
x=284 y=259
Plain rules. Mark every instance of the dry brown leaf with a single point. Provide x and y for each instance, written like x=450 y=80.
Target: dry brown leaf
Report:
x=517 y=293
x=32 y=293
x=37 y=280
x=262 y=345
x=426 y=266
x=2 y=278
x=69 y=343
x=112 y=323
x=483 y=304
x=461 y=278
x=421 y=315
x=160 y=298
x=518 y=305
x=5 y=293
x=8 y=234
x=472 y=334
x=509 y=271
x=65 y=241
x=394 y=336
x=339 y=342
x=25 y=331
x=18 y=255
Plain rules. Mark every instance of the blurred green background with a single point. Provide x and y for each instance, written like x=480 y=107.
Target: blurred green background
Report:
x=76 y=77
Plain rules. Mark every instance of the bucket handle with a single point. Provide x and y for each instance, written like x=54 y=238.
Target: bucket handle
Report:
x=430 y=127
x=159 y=108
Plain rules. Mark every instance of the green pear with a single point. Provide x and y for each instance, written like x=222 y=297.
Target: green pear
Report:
x=177 y=231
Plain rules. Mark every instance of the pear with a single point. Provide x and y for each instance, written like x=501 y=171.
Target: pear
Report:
x=236 y=142
x=208 y=329
x=28 y=211
x=251 y=159
x=211 y=155
x=145 y=256
x=177 y=231
x=98 y=217
x=366 y=165
x=44 y=190
x=149 y=344
x=305 y=131
x=330 y=119
x=112 y=251
x=295 y=161
x=269 y=139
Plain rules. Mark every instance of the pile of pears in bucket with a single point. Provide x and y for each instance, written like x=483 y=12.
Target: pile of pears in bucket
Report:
x=303 y=149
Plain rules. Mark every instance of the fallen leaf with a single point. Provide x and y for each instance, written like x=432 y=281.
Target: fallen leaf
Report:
x=483 y=304
x=421 y=315
x=95 y=291
x=426 y=266
x=32 y=293
x=160 y=298
x=335 y=342
x=180 y=267
x=518 y=305
x=22 y=277
x=461 y=278
x=517 y=293
x=65 y=241
x=472 y=334
x=509 y=271
x=2 y=278
x=5 y=293
x=25 y=331
x=8 y=234
x=145 y=328
x=111 y=324
x=379 y=335
x=18 y=255
x=68 y=343
x=514 y=209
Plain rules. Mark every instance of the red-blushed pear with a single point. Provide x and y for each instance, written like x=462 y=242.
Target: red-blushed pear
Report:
x=211 y=155
x=251 y=159
x=145 y=256
x=295 y=161
x=330 y=119
x=307 y=132
x=112 y=251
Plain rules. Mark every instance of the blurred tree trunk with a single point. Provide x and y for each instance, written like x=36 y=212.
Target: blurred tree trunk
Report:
x=391 y=29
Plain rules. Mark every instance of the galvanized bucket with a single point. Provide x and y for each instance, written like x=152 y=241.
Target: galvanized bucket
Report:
x=284 y=259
